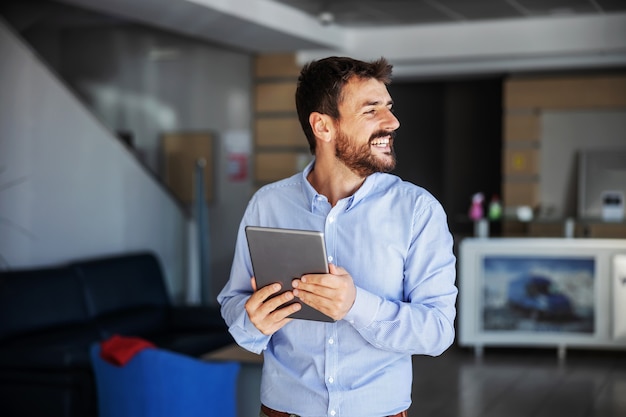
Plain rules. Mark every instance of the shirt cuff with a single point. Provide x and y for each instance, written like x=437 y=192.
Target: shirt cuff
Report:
x=364 y=309
x=248 y=336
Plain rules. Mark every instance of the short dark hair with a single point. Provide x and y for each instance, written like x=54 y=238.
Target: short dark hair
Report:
x=320 y=86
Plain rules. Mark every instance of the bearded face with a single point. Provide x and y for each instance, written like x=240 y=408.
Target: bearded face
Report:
x=376 y=155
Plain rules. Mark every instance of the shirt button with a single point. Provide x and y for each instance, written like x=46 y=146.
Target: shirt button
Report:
x=331 y=219
x=331 y=340
x=332 y=413
x=330 y=259
x=331 y=379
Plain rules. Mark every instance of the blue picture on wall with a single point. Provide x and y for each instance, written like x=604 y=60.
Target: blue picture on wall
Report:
x=539 y=294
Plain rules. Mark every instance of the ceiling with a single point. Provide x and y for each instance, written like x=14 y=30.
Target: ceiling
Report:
x=376 y=13
x=420 y=37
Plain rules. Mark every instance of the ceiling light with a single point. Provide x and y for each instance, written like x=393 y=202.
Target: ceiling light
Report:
x=326 y=18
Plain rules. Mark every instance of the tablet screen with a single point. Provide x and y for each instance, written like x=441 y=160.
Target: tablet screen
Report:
x=280 y=255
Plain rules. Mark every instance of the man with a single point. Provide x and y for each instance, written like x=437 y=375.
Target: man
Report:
x=392 y=270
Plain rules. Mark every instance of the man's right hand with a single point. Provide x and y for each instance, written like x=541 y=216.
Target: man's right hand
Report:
x=262 y=309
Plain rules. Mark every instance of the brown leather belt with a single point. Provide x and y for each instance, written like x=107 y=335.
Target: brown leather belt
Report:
x=273 y=413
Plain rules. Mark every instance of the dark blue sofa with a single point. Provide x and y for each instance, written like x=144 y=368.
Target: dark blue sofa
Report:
x=49 y=318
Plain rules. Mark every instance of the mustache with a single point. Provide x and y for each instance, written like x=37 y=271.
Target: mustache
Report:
x=382 y=134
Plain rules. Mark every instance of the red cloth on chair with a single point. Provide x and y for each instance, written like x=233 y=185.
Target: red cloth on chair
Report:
x=118 y=350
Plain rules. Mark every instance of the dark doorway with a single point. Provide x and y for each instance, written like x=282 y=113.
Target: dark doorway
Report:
x=450 y=141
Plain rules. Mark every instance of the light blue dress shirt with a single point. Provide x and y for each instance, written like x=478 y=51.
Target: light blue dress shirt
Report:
x=393 y=239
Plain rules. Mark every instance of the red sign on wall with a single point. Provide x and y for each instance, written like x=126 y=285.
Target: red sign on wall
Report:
x=237 y=166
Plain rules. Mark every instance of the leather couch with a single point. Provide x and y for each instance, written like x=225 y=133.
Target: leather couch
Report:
x=50 y=317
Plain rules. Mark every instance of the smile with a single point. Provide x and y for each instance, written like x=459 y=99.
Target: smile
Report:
x=380 y=142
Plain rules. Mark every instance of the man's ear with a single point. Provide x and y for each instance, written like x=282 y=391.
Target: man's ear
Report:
x=322 y=126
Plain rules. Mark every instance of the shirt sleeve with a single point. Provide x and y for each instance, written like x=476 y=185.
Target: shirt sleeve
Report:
x=423 y=322
x=236 y=293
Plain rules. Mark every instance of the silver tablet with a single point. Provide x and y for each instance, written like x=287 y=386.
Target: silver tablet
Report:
x=280 y=255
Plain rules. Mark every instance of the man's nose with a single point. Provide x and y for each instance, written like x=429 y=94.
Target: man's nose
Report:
x=391 y=122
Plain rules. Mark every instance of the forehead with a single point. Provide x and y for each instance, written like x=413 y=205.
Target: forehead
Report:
x=361 y=92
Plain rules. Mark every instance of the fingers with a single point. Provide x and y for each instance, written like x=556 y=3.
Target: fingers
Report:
x=336 y=270
x=324 y=284
x=260 y=299
x=333 y=294
x=263 y=310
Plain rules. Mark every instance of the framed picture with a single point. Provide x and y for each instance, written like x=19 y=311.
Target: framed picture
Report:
x=542 y=292
x=538 y=293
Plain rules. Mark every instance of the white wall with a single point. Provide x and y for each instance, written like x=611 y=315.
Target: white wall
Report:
x=564 y=134
x=150 y=82
x=69 y=189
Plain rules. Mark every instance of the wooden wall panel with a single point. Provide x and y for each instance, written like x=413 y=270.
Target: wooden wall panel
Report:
x=273 y=166
x=276 y=65
x=524 y=127
x=275 y=97
x=281 y=148
x=539 y=229
x=566 y=92
x=520 y=193
x=283 y=131
x=521 y=162
x=607 y=230
x=181 y=151
x=514 y=228
x=525 y=100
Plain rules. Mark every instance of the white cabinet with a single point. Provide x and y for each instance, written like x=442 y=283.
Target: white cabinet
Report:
x=618 y=290
x=542 y=292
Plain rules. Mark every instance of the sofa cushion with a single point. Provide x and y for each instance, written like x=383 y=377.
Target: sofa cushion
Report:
x=139 y=321
x=38 y=393
x=194 y=318
x=45 y=358
x=37 y=299
x=124 y=282
x=192 y=344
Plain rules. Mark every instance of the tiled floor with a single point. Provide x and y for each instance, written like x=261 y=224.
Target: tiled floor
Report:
x=505 y=382
x=520 y=383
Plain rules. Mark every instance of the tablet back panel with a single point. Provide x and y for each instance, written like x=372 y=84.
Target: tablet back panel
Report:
x=280 y=255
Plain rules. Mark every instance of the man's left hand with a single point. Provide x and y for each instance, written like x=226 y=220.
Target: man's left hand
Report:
x=333 y=294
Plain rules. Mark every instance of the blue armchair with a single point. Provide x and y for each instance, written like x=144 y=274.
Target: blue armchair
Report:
x=160 y=383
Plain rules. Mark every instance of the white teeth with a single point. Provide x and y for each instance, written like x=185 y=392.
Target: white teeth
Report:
x=380 y=142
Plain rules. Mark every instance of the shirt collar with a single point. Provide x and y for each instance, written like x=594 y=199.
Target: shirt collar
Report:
x=364 y=190
x=309 y=192
x=312 y=196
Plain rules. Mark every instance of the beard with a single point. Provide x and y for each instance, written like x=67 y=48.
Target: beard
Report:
x=360 y=159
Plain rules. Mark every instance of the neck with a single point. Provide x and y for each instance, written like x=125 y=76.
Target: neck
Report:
x=334 y=180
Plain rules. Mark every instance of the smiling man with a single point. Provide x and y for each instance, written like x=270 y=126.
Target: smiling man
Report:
x=391 y=281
